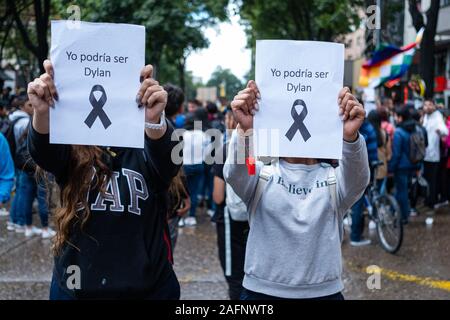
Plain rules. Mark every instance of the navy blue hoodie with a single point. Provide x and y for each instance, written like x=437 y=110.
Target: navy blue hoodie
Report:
x=400 y=147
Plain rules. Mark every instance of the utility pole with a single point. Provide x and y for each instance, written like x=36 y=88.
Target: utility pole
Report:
x=378 y=24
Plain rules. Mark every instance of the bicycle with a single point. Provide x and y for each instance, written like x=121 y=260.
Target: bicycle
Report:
x=385 y=212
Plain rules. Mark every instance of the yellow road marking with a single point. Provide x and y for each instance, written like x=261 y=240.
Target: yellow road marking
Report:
x=397 y=276
x=423 y=281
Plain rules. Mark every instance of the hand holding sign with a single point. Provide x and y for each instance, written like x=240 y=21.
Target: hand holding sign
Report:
x=299 y=82
x=97 y=77
x=245 y=104
x=41 y=93
x=151 y=95
x=352 y=113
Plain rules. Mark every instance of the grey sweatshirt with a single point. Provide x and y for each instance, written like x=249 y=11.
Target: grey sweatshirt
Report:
x=294 y=243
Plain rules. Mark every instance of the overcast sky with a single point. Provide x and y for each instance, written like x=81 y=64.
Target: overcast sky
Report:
x=227 y=49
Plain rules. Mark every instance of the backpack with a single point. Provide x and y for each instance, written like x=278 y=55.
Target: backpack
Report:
x=417 y=146
x=10 y=137
x=234 y=205
x=4 y=125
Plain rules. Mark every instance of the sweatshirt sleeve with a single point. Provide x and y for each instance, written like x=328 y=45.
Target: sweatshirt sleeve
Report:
x=159 y=153
x=353 y=173
x=235 y=170
x=6 y=170
x=53 y=158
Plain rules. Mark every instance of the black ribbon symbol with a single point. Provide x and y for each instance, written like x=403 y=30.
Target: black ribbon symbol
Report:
x=298 y=121
x=97 y=108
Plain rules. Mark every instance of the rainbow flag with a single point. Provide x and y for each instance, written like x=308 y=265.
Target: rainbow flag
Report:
x=388 y=64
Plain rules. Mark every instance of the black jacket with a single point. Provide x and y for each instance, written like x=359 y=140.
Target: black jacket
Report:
x=124 y=249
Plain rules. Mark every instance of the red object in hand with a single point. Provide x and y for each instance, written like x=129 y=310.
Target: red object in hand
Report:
x=251 y=166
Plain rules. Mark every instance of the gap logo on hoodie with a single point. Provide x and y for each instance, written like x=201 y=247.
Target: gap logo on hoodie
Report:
x=137 y=189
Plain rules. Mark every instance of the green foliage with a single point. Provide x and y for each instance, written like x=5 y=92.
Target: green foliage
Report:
x=232 y=83
x=173 y=27
x=320 y=20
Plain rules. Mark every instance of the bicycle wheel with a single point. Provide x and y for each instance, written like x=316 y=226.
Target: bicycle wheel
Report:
x=389 y=224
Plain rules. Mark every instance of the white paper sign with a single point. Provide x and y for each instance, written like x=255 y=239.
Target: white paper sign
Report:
x=97 y=68
x=299 y=83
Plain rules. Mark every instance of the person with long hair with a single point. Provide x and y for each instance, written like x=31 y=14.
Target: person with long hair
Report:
x=179 y=201
x=179 y=205
x=112 y=238
x=383 y=142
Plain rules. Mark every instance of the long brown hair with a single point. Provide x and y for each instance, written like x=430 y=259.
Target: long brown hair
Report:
x=177 y=191
x=74 y=210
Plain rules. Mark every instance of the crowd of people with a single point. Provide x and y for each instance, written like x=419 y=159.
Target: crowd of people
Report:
x=18 y=171
x=408 y=147
x=402 y=147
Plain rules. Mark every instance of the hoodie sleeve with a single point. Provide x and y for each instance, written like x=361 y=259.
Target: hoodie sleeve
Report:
x=235 y=170
x=6 y=170
x=159 y=153
x=353 y=173
x=53 y=158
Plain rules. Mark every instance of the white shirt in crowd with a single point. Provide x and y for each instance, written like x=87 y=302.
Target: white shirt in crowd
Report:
x=195 y=146
x=432 y=123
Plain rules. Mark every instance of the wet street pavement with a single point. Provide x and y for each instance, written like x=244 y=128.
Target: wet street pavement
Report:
x=420 y=270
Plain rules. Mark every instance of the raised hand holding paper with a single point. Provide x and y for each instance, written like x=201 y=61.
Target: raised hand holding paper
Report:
x=299 y=82
x=97 y=68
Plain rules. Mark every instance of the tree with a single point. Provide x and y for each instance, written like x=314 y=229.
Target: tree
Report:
x=320 y=20
x=6 y=23
x=232 y=83
x=173 y=27
x=426 y=64
x=39 y=12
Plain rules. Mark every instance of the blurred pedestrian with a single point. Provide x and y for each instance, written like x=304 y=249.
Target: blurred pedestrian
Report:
x=385 y=124
x=179 y=201
x=447 y=152
x=231 y=220
x=357 y=227
x=408 y=151
x=18 y=123
x=418 y=186
x=434 y=123
x=193 y=105
x=384 y=144
x=195 y=143
x=178 y=206
x=174 y=107
x=4 y=121
x=6 y=174
x=27 y=187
